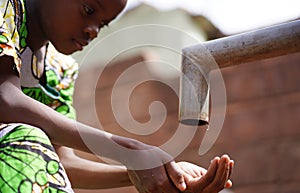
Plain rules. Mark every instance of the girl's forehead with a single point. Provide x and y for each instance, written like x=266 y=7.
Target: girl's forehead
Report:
x=111 y=6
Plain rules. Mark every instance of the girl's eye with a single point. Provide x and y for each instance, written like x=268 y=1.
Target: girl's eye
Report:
x=88 y=10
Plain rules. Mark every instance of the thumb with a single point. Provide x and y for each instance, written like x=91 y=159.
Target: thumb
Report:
x=176 y=175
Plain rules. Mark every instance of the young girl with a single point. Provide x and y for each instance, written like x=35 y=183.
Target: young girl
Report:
x=36 y=113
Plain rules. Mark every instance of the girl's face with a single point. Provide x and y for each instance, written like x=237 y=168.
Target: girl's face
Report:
x=72 y=24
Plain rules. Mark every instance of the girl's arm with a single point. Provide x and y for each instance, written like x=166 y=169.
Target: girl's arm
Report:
x=88 y=174
x=17 y=107
x=148 y=168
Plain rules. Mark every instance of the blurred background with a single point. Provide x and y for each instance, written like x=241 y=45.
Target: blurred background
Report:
x=261 y=131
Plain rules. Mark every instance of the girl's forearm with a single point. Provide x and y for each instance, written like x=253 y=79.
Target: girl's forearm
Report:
x=88 y=174
x=17 y=107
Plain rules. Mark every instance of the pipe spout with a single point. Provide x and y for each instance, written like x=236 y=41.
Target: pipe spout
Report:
x=199 y=60
x=194 y=85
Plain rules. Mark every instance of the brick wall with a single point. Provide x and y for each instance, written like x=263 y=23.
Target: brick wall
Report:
x=261 y=130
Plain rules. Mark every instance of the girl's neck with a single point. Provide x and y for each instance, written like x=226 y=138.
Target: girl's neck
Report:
x=36 y=37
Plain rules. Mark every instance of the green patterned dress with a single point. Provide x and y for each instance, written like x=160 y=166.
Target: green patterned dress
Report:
x=28 y=161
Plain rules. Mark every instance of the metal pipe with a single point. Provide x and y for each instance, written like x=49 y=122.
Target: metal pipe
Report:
x=198 y=61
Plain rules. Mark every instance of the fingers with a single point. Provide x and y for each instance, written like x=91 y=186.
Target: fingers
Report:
x=220 y=180
x=229 y=183
x=222 y=174
x=216 y=177
x=176 y=175
x=206 y=180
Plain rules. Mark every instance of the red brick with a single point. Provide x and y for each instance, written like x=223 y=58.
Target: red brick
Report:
x=262 y=78
x=289 y=159
x=257 y=188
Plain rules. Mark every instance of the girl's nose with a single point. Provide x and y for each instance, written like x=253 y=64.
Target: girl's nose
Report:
x=92 y=31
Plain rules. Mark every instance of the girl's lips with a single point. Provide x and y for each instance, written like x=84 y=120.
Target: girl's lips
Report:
x=78 y=45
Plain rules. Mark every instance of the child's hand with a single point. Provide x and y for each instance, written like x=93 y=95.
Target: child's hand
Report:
x=213 y=180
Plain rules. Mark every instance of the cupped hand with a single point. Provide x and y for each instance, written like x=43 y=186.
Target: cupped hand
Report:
x=212 y=180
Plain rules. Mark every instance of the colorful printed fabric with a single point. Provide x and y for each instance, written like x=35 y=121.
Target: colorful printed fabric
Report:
x=29 y=163
x=54 y=84
x=13 y=31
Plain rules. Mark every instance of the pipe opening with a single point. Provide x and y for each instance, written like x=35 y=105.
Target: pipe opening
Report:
x=193 y=122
